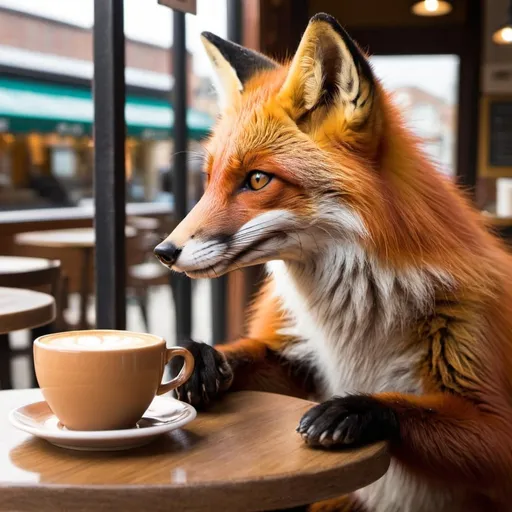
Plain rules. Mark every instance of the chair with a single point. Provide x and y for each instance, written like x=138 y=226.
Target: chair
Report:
x=144 y=271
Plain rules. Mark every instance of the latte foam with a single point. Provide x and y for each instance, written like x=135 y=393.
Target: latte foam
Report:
x=98 y=341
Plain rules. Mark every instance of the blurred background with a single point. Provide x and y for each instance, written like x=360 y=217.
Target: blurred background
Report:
x=449 y=65
x=46 y=107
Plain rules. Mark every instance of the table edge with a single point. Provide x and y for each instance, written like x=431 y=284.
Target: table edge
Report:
x=383 y=451
x=42 y=315
x=270 y=491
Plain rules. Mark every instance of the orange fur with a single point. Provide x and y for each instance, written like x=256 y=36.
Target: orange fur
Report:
x=255 y=360
x=343 y=504
x=459 y=431
x=416 y=218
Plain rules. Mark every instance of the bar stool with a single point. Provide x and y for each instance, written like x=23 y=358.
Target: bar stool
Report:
x=144 y=271
x=149 y=272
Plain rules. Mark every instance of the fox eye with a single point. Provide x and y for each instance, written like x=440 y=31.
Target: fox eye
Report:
x=256 y=180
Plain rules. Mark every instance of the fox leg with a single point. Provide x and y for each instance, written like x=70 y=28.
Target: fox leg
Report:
x=347 y=503
x=253 y=363
x=245 y=364
x=441 y=436
x=457 y=433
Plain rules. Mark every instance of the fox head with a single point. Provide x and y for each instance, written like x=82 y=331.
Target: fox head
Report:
x=309 y=153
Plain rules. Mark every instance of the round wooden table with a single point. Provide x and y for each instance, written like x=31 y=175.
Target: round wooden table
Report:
x=20 y=309
x=243 y=455
x=24 y=309
x=28 y=273
x=10 y=265
x=82 y=238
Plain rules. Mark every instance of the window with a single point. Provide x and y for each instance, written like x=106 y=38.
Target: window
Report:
x=64 y=162
x=425 y=89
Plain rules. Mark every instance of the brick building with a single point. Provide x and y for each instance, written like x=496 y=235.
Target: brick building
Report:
x=46 y=110
x=66 y=50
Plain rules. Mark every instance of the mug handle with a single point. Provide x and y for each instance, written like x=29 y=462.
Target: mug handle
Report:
x=185 y=372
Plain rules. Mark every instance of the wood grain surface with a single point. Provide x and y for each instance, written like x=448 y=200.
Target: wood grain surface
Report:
x=243 y=455
x=24 y=309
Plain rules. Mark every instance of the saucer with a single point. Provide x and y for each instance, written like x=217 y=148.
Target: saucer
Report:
x=163 y=415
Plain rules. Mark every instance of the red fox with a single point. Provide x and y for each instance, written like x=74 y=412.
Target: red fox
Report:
x=387 y=298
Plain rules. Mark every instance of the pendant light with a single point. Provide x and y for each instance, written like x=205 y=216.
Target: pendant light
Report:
x=431 y=7
x=504 y=34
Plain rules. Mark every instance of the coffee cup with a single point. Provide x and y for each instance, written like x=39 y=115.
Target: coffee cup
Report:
x=104 y=379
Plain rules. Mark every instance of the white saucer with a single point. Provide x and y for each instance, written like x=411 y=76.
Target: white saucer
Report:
x=163 y=415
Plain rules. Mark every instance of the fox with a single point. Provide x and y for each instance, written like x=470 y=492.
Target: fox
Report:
x=387 y=296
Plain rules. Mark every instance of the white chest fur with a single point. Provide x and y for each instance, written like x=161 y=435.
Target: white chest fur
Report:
x=352 y=321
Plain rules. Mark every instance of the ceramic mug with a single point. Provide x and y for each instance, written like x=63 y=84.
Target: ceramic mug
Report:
x=104 y=379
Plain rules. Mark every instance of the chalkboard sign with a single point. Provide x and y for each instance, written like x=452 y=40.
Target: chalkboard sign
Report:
x=495 y=138
x=500 y=134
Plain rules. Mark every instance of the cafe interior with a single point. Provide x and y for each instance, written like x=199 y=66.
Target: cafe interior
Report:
x=459 y=103
x=448 y=64
x=67 y=263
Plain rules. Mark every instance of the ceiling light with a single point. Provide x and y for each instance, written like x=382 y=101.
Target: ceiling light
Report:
x=504 y=34
x=431 y=7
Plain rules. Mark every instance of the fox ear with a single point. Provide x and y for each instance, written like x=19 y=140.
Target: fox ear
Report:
x=328 y=69
x=233 y=65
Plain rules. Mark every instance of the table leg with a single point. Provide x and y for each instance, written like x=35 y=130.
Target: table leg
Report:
x=84 y=288
x=5 y=362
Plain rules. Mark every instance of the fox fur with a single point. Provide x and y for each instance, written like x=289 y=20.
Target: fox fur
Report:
x=385 y=287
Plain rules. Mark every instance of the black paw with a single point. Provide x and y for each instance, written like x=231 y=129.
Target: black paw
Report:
x=212 y=375
x=349 y=421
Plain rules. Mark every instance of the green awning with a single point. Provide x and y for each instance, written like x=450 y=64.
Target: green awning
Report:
x=48 y=108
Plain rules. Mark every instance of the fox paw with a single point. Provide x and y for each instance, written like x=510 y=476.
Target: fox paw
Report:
x=347 y=422
x=212 y=375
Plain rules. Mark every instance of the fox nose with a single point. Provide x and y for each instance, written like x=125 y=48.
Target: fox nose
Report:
x=167 y=252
